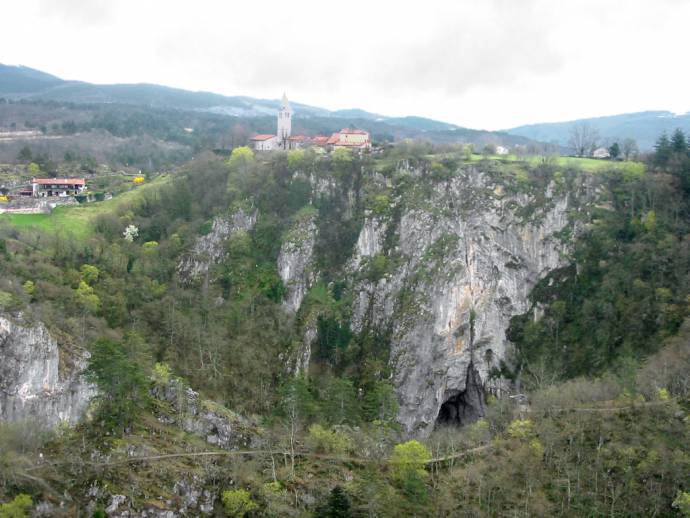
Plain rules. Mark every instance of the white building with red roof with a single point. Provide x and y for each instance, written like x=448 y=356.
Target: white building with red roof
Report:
x=351 y=138
x=264 y=142
x=59 y=187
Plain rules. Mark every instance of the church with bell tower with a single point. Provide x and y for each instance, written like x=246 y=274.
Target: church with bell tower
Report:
x=351 y=138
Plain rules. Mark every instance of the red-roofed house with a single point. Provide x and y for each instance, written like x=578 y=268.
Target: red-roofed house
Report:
x=319 y=140
x=351 y=138
x=264 y=142
x=61 y=187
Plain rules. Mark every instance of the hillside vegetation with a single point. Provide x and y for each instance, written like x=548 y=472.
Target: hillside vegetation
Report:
x=598 y=426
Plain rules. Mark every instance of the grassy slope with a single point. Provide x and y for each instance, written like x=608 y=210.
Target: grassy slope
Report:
x=585 y=164
x=77 y=220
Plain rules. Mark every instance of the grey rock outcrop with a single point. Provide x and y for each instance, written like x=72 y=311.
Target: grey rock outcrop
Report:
x=210 y=249
x=370 y=240
x=190 y=497
x=215 y=424
x=466 y=260
x=35 y=382
x=295 y=261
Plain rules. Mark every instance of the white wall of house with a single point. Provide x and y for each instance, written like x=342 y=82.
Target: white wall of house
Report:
x=266 y=145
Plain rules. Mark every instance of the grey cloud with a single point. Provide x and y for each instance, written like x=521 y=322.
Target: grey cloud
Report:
x=77 y=12
x=463 y=51
x=461 y=55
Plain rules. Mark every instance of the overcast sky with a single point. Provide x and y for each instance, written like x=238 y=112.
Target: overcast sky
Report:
x=481 y=64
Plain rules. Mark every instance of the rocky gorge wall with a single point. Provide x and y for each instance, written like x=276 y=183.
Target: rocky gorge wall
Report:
x=465 y=262
x=210 y=249
x=461 y=257
x=35 y=382
x=456 y=259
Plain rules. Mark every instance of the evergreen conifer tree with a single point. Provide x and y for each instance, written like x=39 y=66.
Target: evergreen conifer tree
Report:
x=337 y=505
x=679 y=143
x=662 y=149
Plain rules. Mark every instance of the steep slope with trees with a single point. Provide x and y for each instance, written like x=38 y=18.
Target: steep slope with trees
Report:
x=300 y=334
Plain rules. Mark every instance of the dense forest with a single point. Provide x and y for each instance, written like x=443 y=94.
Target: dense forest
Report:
x=626 y=289
x=597 y=426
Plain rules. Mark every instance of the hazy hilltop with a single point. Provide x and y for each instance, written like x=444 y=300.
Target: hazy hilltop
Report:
x=645 y=127
x=25 y=80
x=30 y=85
x=19 y=82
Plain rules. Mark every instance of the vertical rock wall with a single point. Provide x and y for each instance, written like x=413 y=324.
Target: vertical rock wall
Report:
x=210 y=249
x=465 y=262
x=33 y=383
x=295 y=261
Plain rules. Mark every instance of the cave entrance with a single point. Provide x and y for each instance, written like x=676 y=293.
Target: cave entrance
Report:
x=467 y=406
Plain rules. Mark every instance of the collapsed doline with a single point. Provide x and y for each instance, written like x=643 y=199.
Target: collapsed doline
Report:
x=458 y=258
x=461 y=257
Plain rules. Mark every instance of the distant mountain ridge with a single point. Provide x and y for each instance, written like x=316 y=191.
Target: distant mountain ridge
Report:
x=645 y=127
x=25 y=80
x=19 y=82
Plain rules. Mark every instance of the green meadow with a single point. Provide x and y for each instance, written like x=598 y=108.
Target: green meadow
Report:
x=582 y=163
x=77 y=220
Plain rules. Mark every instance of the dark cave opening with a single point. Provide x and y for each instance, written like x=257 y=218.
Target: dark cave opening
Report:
x=467 y=406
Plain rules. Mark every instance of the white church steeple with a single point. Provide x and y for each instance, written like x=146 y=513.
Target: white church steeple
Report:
x=284 y=122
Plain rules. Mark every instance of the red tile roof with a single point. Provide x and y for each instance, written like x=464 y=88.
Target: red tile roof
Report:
x=59 y=181
x=333 y=139
x=353 y=131
x=262 y=137
x=320 y=140
x=298 y=138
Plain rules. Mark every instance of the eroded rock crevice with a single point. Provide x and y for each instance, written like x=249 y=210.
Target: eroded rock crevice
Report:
x=467 y=406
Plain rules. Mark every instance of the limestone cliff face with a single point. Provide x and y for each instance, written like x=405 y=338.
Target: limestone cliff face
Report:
x=295 y=261
x=34 y=383
x=466 y=257
x=298 y=273
x=210 y=249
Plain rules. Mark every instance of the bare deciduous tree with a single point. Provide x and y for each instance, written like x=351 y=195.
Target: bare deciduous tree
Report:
x=583 y=137
x=629 y=148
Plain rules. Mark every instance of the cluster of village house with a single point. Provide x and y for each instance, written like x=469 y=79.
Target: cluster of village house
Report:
x=54 y=187
x=284 y=139
x=42 y=195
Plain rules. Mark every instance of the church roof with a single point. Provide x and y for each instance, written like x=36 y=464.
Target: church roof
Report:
x=262 y=137
x=353 y=131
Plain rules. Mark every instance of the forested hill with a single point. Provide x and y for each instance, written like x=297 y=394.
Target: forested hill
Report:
x=643 y=127
x=29 y=85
